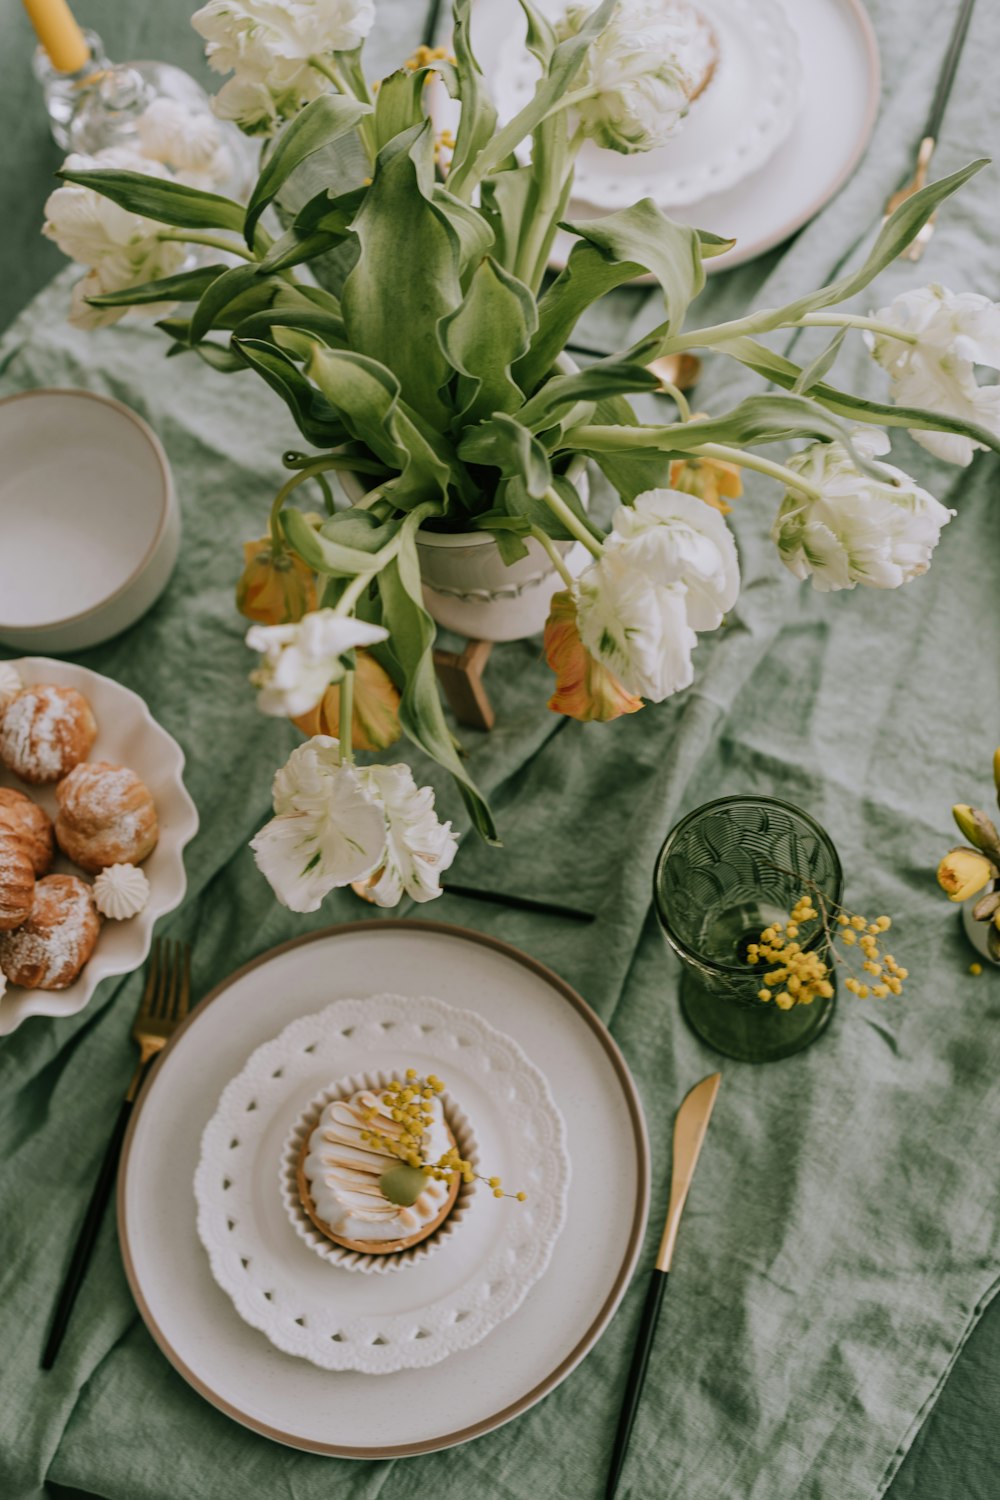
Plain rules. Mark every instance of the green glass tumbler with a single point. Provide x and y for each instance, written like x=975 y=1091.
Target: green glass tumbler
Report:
x=727 y=871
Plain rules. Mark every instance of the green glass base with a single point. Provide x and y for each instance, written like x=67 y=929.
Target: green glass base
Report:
x=752 y=1033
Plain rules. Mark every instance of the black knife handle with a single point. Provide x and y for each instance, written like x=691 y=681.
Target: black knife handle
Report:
x=88 y=1234
x=636 y=1377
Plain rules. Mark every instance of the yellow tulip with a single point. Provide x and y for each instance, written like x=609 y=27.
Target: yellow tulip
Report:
x=375 y=719
x=274 y=589
x=713 y=480
x=963 y=872
x=585 y=689
x=996 y=770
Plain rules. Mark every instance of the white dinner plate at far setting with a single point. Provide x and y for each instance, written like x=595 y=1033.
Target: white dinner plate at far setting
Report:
x=837 y=103
x=473 y=1390
x=734 y=125
x=127 y=735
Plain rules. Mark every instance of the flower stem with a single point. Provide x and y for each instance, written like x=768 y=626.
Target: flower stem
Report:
x=195 y=237
x=345 y=728
x=555 y=555
x=343 y=86
x=557 y=505
x=762 y=465
x=678 y=397
x=856 y=320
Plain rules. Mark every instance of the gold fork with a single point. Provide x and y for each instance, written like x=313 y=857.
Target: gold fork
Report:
x=165 y=1002
x=932 y=130
x=918 y=244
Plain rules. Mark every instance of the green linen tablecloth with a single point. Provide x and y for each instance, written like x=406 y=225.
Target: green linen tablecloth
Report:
x=841 y=1240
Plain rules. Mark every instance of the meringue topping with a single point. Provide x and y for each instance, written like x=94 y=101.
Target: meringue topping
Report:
x=120 y=892
x=343 y=1171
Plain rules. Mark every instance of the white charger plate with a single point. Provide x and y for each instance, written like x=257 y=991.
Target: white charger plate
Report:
x=472 y=1391
x=127 y=735
x=840 y=84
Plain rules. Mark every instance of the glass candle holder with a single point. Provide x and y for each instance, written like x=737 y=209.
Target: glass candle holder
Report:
x=726 y=872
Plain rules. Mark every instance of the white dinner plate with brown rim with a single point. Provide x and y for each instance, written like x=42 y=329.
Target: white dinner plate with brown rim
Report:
x=839 y=92
x=472 y=1392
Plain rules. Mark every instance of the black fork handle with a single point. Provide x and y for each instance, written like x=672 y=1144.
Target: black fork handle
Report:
x=87 y=1237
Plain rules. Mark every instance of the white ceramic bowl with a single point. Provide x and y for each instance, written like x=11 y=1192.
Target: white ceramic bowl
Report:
x=127 y=735
x=89 y=521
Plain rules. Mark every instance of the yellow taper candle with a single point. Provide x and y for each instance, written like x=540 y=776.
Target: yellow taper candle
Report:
x=58 y=32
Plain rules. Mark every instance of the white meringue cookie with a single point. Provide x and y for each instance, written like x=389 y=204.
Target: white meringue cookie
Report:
x=10 y=686
x=120 y=892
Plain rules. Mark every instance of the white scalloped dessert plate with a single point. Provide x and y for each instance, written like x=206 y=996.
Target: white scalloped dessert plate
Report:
x=127 y=735
x=746 y=110
x=474 y=1390
x=448 y=1300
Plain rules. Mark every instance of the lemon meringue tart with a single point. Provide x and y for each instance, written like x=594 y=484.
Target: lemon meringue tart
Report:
x=365 y=1177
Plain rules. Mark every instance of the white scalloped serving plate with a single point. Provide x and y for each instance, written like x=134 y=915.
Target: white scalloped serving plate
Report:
x=740 y=119
x=433 y=1307
x=477 y=1389
x=127 y=735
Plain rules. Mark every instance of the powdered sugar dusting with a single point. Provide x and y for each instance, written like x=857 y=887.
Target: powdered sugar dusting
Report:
x=43 y=732
x=56 y=940
x=10 y=686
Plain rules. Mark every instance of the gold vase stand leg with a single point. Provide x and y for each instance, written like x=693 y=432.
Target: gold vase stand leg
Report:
x=460 y=674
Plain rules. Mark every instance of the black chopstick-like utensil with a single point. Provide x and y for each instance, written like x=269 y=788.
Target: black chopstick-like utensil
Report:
x=520 y=903
x=431 y=23
x=689 y=1133
x=948 y=70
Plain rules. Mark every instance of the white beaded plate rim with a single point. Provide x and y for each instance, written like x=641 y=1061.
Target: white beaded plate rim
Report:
x=746 y=110
x=127 y=734
x=259 y=1271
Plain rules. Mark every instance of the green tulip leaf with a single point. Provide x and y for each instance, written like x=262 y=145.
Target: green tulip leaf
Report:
x=610 y=252
x=502 y=443
x=412 y=634
x=322 y=122
x=478 y=119
x=187 y=286
x=598 y=382
x=484 y=336
x=315 y=418
x=408 y=268
x=159 y=198
x=223 y=291
x=629 y=474
x=784 y=372
x=366 y=395
x=400 y=104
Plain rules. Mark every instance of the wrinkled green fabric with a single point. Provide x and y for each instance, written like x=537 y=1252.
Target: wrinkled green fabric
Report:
x=841 y=1238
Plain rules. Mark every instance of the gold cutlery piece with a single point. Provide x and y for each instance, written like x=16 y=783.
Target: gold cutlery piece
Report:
x=918 y=244
x=165 y=1002
x=689 y=1135
x=932 y=131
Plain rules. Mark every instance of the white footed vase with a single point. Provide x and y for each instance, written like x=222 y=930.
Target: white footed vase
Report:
x=468 y=588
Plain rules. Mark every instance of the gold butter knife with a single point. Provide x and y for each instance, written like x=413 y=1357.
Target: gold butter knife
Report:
x=689 y=1133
